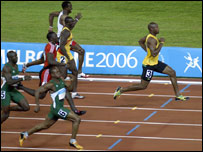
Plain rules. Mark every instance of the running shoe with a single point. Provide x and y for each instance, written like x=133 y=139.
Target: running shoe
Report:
x=76 y=145
x=77 y=96
x=22 y=138
x=181 y=98
x=117 y=93
x=82 y=75
x=80 y=113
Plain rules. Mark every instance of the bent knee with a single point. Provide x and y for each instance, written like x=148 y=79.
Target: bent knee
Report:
x=26 y=107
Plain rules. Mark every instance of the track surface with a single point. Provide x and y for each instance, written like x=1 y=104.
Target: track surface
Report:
x=137 y=121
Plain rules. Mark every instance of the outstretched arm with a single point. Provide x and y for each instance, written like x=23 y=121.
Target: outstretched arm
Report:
x=7 y=74
x=36 y=62
x=42 y=89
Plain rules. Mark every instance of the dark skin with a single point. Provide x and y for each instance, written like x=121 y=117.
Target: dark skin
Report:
x=51 y=61
x=151 y=44
x=66 y=12
x=65 y=34
x=77 y=48
x=49 y=122
x=6 y=73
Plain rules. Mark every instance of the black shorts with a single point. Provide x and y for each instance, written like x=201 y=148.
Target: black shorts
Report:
x=148 y=70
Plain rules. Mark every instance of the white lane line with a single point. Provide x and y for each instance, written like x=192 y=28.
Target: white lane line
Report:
x=39 y=149
x=142 y=95
x=122 y=108
x=124 y=122
x=127 y=80
x=108 y=136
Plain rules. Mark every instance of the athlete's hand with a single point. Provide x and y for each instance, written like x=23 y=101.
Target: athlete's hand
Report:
x=161 y=40
x=24 y=68
x=27 y=77
x=78 y=16
x=37 y=109
x=50 y=29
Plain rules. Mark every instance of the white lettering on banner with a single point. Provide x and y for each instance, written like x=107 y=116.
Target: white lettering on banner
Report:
x=3 y=56
x=88 y=59
x=116 y=60
x=193 y=63
x=29 y=57
x=18 y=54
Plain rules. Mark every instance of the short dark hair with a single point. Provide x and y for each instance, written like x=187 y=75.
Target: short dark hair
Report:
x=9 y=53
x=151 y=24
x=67 y=19
x=65 y=4
x=49 y=35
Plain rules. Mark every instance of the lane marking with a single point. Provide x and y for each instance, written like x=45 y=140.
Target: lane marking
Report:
x=126 y=80
x=108 y=136
x=99 y=135
x=151 y=95
x=123 y=108
x=133 y=129
x=45 y=149
x=153 y=113
x=141 y=95
x=167 y=102
x=134 y=108
x=119 y=140
x=123 y=122
x=116 y=121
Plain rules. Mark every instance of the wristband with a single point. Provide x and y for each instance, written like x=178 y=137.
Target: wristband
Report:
x=76 y=19
x=50 y=26
x=23 y=78
x=162 y=42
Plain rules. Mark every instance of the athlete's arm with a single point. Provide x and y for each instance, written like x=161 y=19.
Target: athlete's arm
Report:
x=52 y=62
x=7 y=74
x=151 y=43
x=51 y=19
x=142 y=43
x=77 y=18
x=42 y=89
x=63 y=40
x=36 y=62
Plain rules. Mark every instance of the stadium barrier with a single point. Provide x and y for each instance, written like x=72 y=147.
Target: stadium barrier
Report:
x=113 y=60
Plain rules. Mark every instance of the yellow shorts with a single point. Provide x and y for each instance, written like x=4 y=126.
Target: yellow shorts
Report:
x=61 y=58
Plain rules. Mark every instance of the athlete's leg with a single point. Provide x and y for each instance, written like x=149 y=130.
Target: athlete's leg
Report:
x=5 y=113
x=22 y=106
x=42 y=126
x=81 y=57
x=135 y=87
x=74 y=71
x=75 y=123
x=45 y=125
x=172 y=74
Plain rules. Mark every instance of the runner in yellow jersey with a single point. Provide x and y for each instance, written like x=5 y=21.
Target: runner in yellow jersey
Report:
x=64 y=55
x=152 y=45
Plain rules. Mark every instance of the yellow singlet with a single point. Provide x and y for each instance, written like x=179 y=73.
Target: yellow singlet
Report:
x=60 y=57
x=149 y=59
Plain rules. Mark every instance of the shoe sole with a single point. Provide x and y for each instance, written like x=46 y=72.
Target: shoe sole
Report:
x=75 y=146
x=187 y=98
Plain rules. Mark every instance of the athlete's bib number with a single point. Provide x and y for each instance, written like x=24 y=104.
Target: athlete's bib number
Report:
x=3 y=94
x=62 y=113
x=63 y=59
x=149 y=74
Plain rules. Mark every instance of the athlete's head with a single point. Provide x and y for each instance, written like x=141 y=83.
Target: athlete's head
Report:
x=12 y=57
x=153 y=28
x=52 y=37
x=69 y=22
x=66 y=5
x=55 y=73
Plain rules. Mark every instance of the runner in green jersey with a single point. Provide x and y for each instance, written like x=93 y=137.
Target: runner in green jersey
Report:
x=8 y=88
x=58 y=90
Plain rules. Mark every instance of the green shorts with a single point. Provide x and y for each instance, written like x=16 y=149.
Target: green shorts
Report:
x=7 y=96
x=58 y=113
